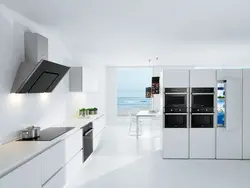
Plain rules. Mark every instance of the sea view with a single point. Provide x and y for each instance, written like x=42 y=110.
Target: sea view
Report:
x=132 y=101
x=132 y=105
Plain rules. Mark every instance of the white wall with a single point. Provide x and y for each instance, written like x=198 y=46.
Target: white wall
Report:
x=111 y=96
x=19 y=110
x=94 y=95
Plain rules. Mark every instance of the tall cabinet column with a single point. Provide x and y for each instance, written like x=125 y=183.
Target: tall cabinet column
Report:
x=229 y=138
x=175 y=140
x=246 y=114
x=202 y=140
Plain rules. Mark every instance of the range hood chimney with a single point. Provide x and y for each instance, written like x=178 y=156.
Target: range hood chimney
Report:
x=37 y=74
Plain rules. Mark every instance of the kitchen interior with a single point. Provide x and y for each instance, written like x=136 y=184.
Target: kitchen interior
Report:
x=59 y=116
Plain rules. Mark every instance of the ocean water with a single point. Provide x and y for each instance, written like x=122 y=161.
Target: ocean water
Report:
x=132 y=105
x=133 y=102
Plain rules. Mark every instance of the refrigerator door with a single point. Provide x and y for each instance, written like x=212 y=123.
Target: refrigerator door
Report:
x=229 y=137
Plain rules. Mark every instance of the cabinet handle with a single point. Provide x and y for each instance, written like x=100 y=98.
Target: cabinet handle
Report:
x=202 y=114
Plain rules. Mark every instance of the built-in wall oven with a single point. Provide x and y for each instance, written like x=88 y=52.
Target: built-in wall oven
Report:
x=176 y=108
x=87 y=141
x=176 y=118
x=202 y=97
x=202 y=108
x=176 y=97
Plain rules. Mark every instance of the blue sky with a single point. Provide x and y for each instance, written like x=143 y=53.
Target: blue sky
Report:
x=133 y=78
x=131 y=82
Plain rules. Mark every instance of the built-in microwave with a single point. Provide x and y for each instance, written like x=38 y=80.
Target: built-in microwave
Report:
x=176 y=97
x=202 y=97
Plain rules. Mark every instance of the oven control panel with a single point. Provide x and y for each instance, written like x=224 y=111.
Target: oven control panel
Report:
x=176 y=90
x=202 y=110
x=176 y=110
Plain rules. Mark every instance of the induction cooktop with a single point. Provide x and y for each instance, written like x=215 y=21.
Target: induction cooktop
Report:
x=50 y=133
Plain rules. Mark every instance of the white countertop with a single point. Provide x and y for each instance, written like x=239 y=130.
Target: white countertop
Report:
x=14 y=154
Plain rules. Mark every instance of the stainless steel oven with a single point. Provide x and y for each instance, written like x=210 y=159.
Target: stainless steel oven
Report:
x=202 y=97
x=87 y=141
x=176 y=108
x=176 y=118
x=176 y=97
x=202 y=108
x=202 y=120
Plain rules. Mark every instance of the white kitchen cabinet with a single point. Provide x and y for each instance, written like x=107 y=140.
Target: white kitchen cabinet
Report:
x=76 y=79
x=229 y=138
x=73 y=167
x=28 y=175
x=203 y=78
x=175 y=143
x=202 y=140
x=176 y=78
x=161 y=97
x=246 y=116
x=98 y=125
x=73 y=144
x=57 y=181
x=202 y=143
x=52 y=160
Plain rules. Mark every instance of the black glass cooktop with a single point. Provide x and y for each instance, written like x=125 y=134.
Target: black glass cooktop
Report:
x=51 y=133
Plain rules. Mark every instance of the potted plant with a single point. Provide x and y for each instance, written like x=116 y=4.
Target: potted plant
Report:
x=91 y=111
x=95 y=110
x=87 y=112
x=82 y=112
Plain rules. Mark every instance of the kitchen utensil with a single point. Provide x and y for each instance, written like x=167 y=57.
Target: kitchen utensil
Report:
x=30 y=133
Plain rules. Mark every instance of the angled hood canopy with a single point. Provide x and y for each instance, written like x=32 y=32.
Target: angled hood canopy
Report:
x=37 y=74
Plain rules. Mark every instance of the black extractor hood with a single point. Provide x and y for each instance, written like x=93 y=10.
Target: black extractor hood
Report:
x=37 y=74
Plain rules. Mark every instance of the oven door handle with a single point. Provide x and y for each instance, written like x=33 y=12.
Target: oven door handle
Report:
x=202 y=93
x=202 y=114
x=87 y=133
x=175 y=93
x=176 y=114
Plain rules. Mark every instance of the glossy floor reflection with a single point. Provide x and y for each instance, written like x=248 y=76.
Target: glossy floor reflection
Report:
x=122 y=161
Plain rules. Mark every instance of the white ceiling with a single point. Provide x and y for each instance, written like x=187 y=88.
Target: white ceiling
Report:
x=144 y=27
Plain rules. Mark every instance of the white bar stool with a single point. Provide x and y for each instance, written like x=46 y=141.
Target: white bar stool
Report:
x=132 y=121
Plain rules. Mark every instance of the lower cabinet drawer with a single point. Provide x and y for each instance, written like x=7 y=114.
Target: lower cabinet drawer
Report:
x=73 y=144
x=26 y=176
x=52 y=160
x=57 y=181
x=73 y=167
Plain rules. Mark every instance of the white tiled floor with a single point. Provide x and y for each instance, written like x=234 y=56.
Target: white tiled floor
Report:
x=122 y=161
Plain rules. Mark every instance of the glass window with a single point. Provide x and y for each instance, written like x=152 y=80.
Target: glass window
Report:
x=221 y=103
x=131 y=90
